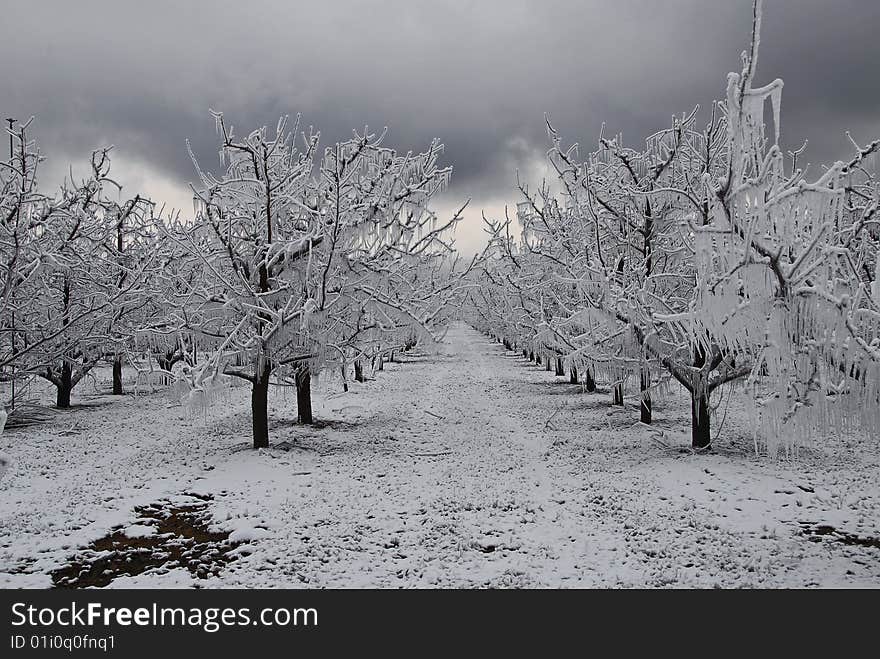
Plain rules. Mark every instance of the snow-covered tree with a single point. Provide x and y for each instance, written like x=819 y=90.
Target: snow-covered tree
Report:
x=134 y=242
x=21 y=208
x=606 y=265
x=703 y=258
x=68 y=292
x=249 y=246
x=85 y=291
x=295 y=264
x=788 y=271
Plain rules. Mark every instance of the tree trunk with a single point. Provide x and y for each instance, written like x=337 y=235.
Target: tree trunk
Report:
x=259 y=407
x=358 y=370
x=64 y=387
x=165 y=365
x=646 y=406
x=117 y=376
x=531 y=356
x=304 y=395
x=547 y=364
x=560 y=367
x=618 y=394
x=381 y=362
x=573 y=374
x=590 y=382
x=700 y=437
x=538 y=358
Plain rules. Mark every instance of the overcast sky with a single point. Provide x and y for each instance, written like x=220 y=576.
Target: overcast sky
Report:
x=478 y=75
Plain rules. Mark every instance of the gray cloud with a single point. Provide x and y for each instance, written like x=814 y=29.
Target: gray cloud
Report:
x=478 y=75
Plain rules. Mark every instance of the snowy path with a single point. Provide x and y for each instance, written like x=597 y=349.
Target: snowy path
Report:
x=443 y=471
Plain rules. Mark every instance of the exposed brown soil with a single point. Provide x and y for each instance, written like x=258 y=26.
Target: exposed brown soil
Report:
x=182 y=539
x=816 y=532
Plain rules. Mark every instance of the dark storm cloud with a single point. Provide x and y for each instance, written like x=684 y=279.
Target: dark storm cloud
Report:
x=478 y=75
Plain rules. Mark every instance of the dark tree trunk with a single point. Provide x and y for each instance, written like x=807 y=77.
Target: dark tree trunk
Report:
x=358 y=370
x=646 y=406
x=166 y=365
x=618 y=394
x=117 y=376
x=531 y=356
x=560 y=367
x=573 y=374
x=259 y=407
x=700 y=437
x=590 y=383
x=64 y=387
x=547 y=364
x=381 y=362
x=538 y=359
x=304 y=395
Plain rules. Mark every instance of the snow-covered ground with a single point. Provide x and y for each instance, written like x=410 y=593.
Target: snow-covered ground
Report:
x=469 y=467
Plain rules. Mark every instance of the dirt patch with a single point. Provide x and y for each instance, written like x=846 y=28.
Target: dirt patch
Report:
x=816 y=532
x=167 y=535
